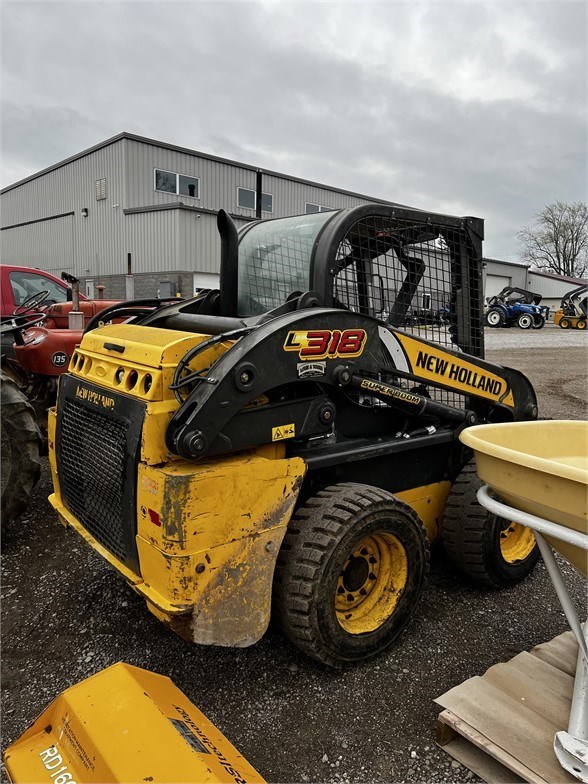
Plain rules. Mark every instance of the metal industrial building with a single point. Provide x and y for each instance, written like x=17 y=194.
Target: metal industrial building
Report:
x=131 y=204
x=499 y=274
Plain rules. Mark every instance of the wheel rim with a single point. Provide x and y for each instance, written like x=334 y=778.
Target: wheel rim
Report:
x=564 y=323
x=371 y=583
x=581 y=325
x=493 y=317
x=516 y=542
x=525 y=321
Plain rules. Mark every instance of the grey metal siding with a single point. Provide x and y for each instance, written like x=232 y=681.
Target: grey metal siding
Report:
x=290 y=196
x=199 y=241
x=96 y=242
x=152 y=241
x=218 y=181
x=552 y=287
x=49 y=245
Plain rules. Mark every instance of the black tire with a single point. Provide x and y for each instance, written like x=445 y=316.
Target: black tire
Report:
x=21 y=444
x=494 y=318
x=525 y=321
x=564 y=323
x=318 y=555
x=538 y=322
x=472 y=537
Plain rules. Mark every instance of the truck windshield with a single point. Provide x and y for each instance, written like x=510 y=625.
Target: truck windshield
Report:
x=26 y=284
x=274 y=261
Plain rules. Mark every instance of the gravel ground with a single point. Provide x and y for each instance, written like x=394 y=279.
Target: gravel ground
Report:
x=550 y=336
x=66 y=615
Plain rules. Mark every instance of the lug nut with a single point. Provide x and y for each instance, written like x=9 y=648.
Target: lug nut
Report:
x=200 y=568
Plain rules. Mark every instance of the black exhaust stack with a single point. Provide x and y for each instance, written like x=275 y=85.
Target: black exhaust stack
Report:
x=229 y=264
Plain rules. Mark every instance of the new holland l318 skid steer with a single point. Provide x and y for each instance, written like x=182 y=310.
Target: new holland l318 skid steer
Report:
x=280 y=442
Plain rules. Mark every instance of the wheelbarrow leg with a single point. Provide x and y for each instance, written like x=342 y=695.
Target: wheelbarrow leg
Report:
x=571 y=747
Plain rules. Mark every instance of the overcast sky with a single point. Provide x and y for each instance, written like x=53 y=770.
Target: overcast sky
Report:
x=461 y=107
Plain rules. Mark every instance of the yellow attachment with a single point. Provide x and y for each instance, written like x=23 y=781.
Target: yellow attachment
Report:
x=125 y=724
x=371 y=583
x=516 y=542
x=540 y=468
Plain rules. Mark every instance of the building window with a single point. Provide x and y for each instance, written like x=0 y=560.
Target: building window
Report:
x=267 y=202
x=309 y=208
x=246 y=198
x=101 y=189
x=180 y=184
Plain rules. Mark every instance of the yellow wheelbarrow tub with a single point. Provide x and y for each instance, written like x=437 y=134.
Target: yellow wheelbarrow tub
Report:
x=540 y=468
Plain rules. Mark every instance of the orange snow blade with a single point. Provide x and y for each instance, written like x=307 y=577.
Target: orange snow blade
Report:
x=125 y=724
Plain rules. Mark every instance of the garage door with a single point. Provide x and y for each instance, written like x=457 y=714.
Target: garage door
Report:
x=495 y=284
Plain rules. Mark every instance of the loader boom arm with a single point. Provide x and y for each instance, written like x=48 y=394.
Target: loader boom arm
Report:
x=330 y=349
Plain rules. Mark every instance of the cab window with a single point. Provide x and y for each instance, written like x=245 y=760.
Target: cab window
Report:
x=274 y=261
x=24 y=284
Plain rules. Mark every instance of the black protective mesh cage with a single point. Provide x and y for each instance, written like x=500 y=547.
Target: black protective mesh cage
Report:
x=413 y=270
x=421 y=277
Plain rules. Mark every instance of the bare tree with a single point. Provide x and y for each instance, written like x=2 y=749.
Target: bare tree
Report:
x=558 y=241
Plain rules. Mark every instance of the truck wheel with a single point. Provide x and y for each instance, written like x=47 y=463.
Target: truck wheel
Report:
x=495 y=318
x=486 y=548
x=525 y=321
x=350 y=572
x=538 y=322
x=21 y=444
x=581 y=324
x=564 y=323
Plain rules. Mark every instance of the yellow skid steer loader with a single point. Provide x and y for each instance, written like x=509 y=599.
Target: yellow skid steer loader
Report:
x=291 y=440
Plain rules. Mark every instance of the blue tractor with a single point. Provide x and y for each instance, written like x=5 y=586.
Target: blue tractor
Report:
x=516 y=306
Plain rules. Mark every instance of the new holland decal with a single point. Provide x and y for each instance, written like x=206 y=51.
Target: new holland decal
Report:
x=432 y=364
x=95 y=398
x=315 y=344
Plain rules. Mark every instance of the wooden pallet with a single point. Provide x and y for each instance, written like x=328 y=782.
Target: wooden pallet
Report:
x=501 y=725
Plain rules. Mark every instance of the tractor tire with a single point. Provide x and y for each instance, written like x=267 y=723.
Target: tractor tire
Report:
x=21 y=445
x=525 y=321
x=487 y=549
x=350 y=573
x=581 y=324
x=539 y=322
x=494 y=318
x=564 y=323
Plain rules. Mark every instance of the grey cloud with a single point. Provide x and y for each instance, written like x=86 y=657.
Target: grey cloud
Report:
x=365 y=97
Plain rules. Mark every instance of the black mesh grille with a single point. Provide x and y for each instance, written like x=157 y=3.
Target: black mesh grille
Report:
x=92 y=474
x=421 y=277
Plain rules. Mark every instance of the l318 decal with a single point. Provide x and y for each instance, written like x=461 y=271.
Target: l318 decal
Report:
x=326 y=343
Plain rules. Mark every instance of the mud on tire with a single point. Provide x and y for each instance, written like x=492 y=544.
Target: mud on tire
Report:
x=21 y=444
x=350 y=573
x=476 y=542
